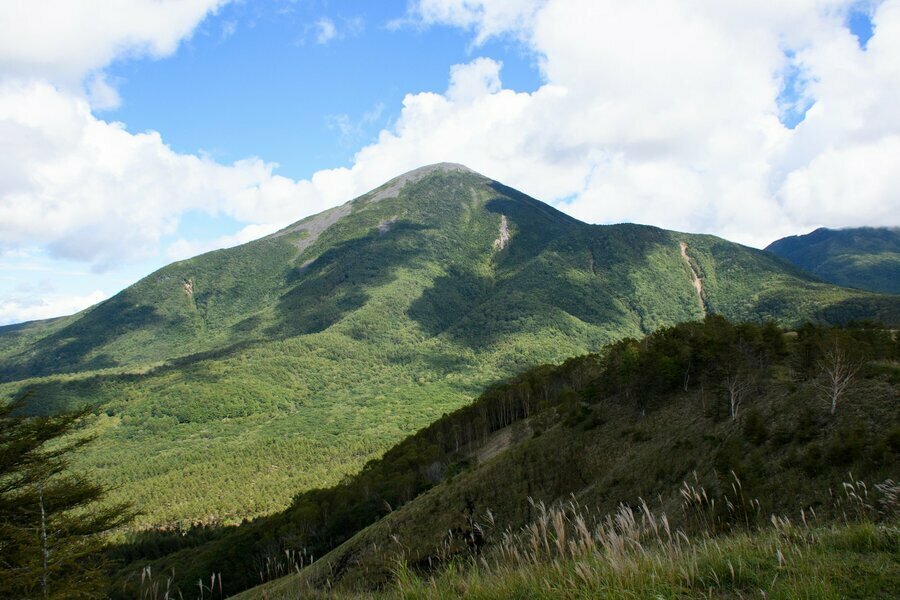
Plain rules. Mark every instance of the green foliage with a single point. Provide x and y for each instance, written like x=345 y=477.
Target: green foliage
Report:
x=320 y=519
x=755 y=429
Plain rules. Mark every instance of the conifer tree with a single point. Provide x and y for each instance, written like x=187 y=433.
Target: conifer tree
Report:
x=51 y=518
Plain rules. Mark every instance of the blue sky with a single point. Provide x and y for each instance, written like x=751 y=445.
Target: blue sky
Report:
x=169 y=129
x=254 y=81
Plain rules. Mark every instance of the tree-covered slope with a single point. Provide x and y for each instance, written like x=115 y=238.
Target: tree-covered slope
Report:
x=867 y=258
x=637 y=420
x=238 y=378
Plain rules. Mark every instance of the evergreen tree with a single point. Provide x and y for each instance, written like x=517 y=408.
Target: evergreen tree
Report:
x=51 y=520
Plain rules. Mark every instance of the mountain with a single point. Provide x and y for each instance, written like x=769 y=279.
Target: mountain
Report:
x=227 y=383
x=867 y=258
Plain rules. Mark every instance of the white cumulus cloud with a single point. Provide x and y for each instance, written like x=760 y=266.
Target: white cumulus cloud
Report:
x=183 y=248
x=89 y=190
x=30 y=308
x=668 y=112
x=62 y=40
x=325 y=30
x=487 y=19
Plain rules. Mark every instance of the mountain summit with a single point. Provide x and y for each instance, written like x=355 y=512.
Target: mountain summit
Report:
x=285 y=363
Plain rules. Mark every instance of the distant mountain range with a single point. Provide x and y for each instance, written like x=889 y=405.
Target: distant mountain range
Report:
x=867 y=258
x=229 y=382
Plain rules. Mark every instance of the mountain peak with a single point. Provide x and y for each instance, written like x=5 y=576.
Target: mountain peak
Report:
x=424 y=171
x=392 y=187
x=441 y=166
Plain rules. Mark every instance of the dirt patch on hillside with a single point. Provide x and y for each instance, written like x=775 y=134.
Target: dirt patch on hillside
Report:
x=501 y=440
x=315 y=225
x=502 y=240
x=695 y=278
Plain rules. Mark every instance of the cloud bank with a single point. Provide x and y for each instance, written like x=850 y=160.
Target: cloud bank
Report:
x=670 y=113
x=19 y=308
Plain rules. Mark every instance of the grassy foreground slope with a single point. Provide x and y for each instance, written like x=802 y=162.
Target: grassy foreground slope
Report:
x=229 y=382
x=867 y=258
x=854 y=560
x=858 y=559
x=637 y=421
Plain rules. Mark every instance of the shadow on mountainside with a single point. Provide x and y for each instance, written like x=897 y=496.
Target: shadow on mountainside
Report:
x=338 y=282
x=71 y=345
x=554 y=272
x=476 y=309
x=885 y=308
x=323 y=292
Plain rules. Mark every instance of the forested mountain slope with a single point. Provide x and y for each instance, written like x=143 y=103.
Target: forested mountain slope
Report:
x=239 y=378
x=867 y=258
x=738 y=411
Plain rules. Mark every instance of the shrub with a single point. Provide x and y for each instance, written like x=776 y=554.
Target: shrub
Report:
x=754 y=425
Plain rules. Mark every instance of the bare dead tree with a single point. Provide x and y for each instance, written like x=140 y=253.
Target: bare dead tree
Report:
x=837 y=371
x=742 y=378
x=739 y=384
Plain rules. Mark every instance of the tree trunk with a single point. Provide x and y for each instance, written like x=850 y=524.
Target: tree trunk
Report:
x=45 y=549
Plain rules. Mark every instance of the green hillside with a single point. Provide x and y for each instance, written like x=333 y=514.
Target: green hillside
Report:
x=230 y=382
x=867 y=258
x=647 y=419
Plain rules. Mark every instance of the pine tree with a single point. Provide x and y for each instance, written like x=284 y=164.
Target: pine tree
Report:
x=51 y=519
